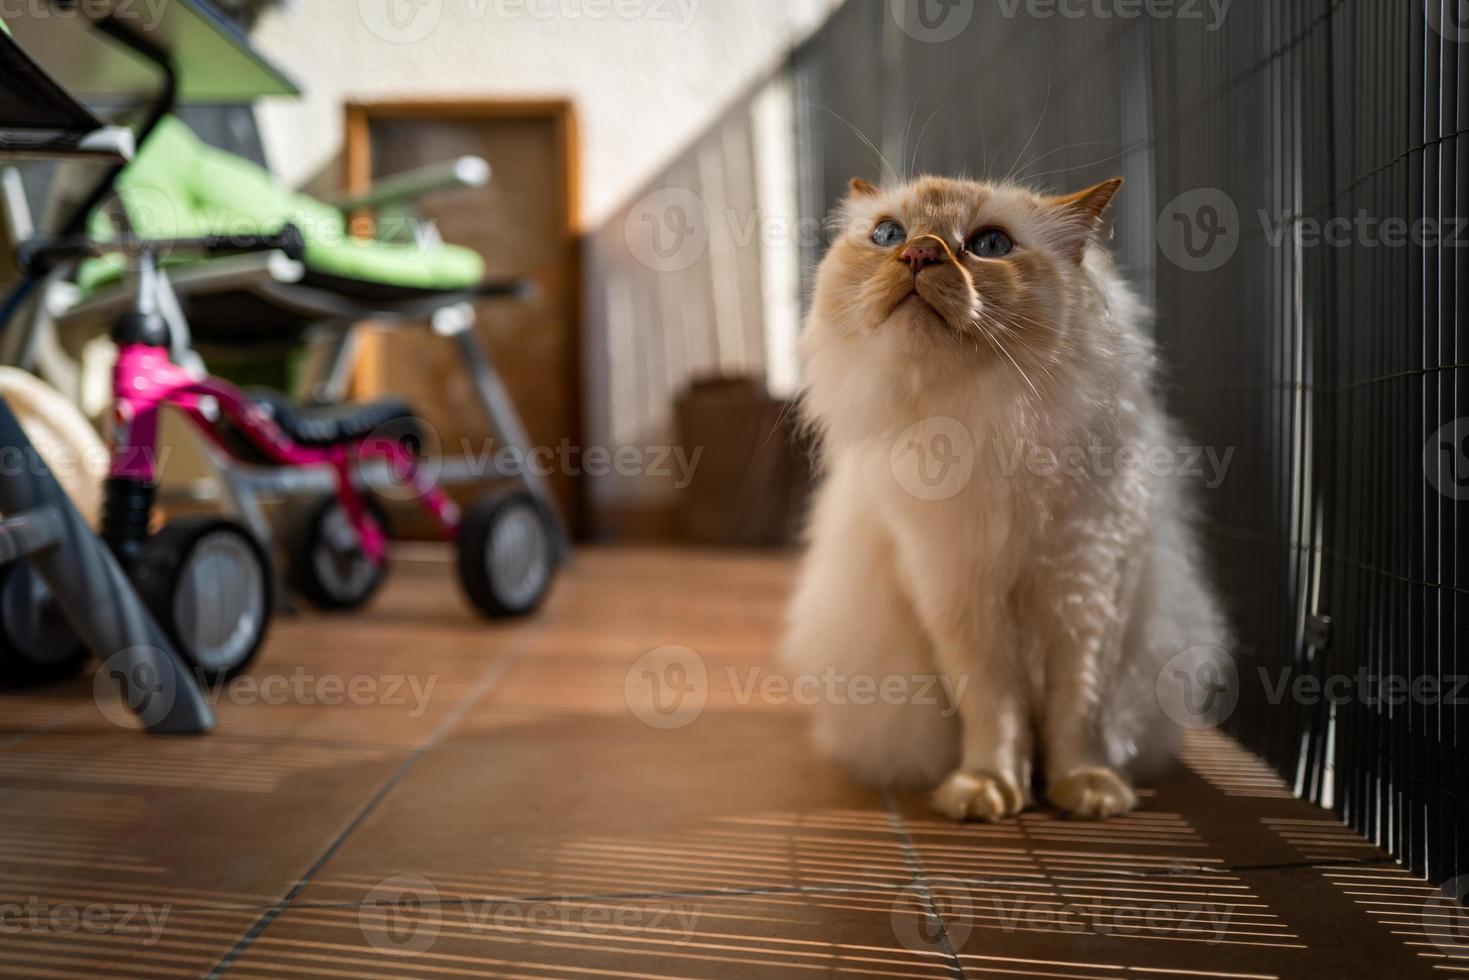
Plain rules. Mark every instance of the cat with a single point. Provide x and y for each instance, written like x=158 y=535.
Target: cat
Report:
x=992 y=507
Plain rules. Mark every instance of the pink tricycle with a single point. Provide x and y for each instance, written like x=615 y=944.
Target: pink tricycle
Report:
x=209 y=580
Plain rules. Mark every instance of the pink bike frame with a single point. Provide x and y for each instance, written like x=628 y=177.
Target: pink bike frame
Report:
x=144 y=380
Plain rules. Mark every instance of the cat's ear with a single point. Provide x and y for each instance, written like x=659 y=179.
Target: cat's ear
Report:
x=1085 y=208
x=861 y=188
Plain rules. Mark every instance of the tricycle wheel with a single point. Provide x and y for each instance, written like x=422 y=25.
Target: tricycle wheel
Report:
x=325 y=561
x=507 y=554
x=208 y=583
x=37 y=645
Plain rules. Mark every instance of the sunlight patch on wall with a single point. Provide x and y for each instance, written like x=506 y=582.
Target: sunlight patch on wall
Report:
x=773 y=119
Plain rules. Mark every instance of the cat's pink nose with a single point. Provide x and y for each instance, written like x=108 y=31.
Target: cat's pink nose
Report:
x=922 y=254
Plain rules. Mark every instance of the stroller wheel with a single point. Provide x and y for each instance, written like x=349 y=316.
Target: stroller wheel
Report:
x=507 y=554
x=325 y=561
x=207 y=581
x=37 y=645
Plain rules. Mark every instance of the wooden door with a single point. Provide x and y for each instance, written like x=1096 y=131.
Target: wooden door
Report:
x=523 y=223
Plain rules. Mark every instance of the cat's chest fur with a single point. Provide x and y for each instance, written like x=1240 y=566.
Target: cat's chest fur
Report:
x=976 y=495
x=962 y=509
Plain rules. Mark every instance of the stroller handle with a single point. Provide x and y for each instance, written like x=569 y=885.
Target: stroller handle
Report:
x=41 y=254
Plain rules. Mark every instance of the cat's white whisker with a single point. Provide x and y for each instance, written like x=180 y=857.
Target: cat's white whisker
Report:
x=1021 y=175
x=1092 y=163
x=918 y=144
x=1044 y=106
x=888 y=167
x=1006 y=354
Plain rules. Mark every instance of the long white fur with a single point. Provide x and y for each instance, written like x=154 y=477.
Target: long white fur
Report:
x=1053 y=600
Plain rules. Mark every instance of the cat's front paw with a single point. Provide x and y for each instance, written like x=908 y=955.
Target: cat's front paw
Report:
x=1092 y=793
x=965 y=795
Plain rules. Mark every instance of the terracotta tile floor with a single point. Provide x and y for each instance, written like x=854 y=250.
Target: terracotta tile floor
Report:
x=410 y=793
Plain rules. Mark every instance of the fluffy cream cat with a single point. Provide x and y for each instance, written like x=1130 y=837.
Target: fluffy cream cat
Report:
x=994 y=509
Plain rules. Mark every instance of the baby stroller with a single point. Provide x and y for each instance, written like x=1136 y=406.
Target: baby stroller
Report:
x=62 y=592
x=199 y=245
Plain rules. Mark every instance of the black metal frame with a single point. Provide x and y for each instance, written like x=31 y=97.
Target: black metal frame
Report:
x=162 y=105
x=44 y=529
x=1329 y=370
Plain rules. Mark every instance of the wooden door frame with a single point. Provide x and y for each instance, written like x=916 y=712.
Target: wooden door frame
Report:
x=561 y=113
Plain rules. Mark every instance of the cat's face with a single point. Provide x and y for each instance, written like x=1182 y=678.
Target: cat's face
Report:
x=957 y=269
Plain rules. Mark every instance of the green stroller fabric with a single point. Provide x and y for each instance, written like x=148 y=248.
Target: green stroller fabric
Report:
x=179 y=186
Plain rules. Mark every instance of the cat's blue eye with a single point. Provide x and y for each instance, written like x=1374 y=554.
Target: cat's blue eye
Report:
x=992 y=243
x=888 y=233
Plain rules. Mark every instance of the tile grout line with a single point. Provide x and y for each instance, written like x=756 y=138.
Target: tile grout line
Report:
x=487 y=680
x=920 y=881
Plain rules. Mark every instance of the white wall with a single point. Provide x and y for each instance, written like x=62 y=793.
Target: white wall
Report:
x=647 y=75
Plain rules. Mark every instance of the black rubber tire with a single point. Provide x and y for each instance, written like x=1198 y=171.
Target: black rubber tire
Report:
x=162 y=574
x=305 y=531
x=507 y=554
x=37 y=645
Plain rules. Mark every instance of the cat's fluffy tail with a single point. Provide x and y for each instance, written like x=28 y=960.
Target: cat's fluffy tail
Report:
x=1181 y=640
